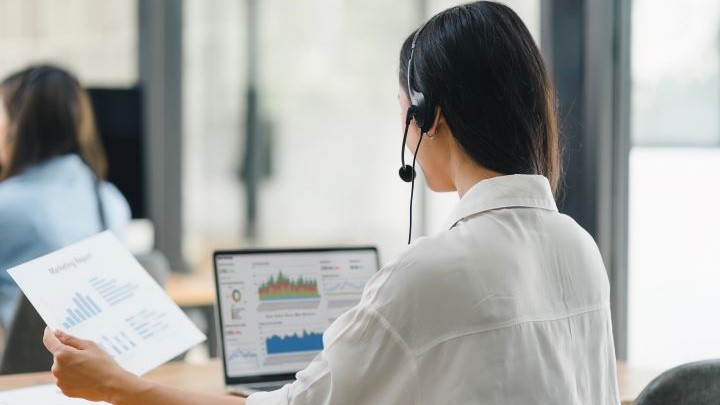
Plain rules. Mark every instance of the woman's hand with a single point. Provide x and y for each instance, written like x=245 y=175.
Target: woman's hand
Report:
x=82 y=369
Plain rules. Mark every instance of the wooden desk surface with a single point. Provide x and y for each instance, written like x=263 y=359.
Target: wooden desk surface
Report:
x=202 y=378
x=208 y=378
x=632 y=380
x=191 y=290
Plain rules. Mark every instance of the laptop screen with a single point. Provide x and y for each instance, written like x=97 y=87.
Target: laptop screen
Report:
x=275 y=305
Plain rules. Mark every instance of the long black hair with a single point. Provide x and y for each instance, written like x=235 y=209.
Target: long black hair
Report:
x=479 y=64
x=50 y=114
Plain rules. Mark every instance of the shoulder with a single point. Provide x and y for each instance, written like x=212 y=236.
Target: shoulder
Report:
x=116 y=208
x=429 y=291
x=16 y=200
x=480 y=252
x=423 y=270
x=573 y=239
x=486 y=270
x=111 y=193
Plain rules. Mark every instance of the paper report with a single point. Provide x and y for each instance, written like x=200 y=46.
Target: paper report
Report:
x=96 y=290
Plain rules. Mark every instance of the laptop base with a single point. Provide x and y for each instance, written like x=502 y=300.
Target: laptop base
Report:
x=247 y=389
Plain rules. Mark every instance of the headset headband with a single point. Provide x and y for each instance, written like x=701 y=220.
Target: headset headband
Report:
x=410 y=60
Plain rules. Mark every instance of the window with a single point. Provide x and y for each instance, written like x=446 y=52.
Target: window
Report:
x=327 y=91
x=674 y=251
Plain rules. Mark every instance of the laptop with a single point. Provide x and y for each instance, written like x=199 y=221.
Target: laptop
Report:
x=273 y=306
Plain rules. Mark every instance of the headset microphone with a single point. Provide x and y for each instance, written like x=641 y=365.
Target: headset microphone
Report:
x=407 y=173
x=422 y=111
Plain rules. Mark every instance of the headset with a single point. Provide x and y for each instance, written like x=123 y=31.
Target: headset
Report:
x=422 y=111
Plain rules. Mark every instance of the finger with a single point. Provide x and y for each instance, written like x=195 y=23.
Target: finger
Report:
x=50 y=341
x=72 y=341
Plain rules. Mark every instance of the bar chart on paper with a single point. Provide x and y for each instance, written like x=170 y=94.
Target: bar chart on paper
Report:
x=96 y=290
x=83 y=309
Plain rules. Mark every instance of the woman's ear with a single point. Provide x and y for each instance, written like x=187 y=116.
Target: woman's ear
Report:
x=437 y=124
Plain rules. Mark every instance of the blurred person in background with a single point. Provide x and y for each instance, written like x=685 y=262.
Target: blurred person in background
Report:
x=52 y=166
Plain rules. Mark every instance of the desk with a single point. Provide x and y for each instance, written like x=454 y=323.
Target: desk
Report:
x=208 y=378
x=191 y=290
x=196 y=291
x=632 y=380
x=203 y=378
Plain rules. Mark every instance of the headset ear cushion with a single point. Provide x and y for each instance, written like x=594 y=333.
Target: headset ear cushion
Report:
x=418 y=101
x=424 y=116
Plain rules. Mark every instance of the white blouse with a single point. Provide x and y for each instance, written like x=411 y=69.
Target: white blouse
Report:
x=508 y=305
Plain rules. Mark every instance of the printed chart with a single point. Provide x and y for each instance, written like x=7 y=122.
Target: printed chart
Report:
x=96 y=290
x=83 y=309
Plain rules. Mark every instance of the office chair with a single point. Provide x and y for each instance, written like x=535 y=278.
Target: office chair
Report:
x=695 y=383
x=156 y=264
x=24 y=349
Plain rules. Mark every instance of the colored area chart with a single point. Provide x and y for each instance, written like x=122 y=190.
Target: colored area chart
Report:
x=85 y=308
x=291 y=344
x=284 y=288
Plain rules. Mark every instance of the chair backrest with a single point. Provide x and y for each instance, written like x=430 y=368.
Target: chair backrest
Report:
x=692 y=384
x=156 y=264
x=24 y=349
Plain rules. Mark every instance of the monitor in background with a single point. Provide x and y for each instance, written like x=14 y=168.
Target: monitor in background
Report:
x=118 y=116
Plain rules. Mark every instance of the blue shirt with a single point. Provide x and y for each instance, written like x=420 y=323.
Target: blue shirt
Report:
x=46 y=207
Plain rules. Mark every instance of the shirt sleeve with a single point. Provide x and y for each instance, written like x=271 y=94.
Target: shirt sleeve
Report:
x=364 y=362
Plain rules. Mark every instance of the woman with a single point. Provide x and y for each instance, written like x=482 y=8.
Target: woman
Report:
x=507 y=305
x=51 y=170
